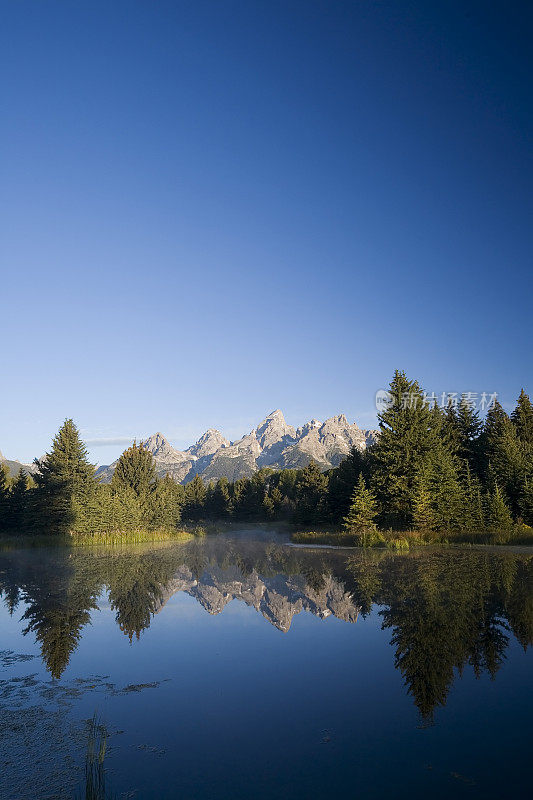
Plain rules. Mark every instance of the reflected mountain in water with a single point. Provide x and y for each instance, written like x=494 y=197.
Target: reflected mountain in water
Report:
x=446 y=609
x=278 y=598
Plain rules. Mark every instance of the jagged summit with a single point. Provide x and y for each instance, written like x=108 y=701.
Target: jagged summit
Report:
x=278 y=598
x=273 y=443
x=211 y=441
x=273 y=429
x=161 y=448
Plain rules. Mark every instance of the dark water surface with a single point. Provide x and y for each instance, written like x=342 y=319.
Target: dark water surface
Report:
x=240 y=667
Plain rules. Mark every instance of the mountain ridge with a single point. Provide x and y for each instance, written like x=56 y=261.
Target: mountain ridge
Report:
x=13 y=466
x=273 y=443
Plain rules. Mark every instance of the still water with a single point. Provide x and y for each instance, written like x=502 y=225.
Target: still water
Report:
x=238 y=666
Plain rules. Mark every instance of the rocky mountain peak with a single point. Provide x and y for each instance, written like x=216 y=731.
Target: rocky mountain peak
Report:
x=312 y=425
x=155 y=441
x=159 y=446
x=273 y=429
x=272 y=444
x=208 y=444
x=335 y=424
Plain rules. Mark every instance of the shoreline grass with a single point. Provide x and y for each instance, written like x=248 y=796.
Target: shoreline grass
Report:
x=128 y=537
x=405 y=540
x=111 y=538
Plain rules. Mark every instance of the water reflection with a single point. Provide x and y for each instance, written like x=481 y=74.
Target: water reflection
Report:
x=445 y=609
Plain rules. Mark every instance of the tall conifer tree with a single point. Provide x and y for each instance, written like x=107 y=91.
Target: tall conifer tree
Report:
x=64 y=478
x=4 y=498
x=504 y=456
x=363 y=510
x=469 y=427
x=407 y=435
x=522 y=418
x=18 y=502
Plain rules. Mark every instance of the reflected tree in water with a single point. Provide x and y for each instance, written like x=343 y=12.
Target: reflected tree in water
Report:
x=446 y=610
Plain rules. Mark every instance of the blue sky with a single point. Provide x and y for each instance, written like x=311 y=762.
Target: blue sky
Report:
x=214 y=209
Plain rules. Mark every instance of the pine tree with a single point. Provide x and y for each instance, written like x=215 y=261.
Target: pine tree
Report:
x=526 y=502
x=469 y=428
x=447 y=490
x=522 y=418
x=499 y=518
x=4 y=498
x=195 y=495
x=167 y=500
x=504 y=456
x=423 y=513
x=439 y=497
x=407 y=434
x=135 y=470
x=342 y=480
x=450 y=428
x=64 y=479
x=221 y=501
x=312 y=487
x=17 y=504
x=363 y=510
x=277 y=501
x=472 y=519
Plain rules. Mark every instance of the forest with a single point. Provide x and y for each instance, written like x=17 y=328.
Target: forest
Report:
x=437 y=473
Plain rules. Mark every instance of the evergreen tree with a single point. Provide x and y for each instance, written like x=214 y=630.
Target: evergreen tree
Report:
x=135 y=470
x=195 y=495
x=472 y=519
x=526 y=502
x=312 y=486
x=4 y=498
x=64 y=479
x=17 y=506
x=499 y=518
x=423 y=514
x=505 y=458
x=522 y=418
x=469 y=428
x=439 y=498
x=342 y=481
x=407 y=435
x=450 y=428
x=167 y=500
x=363 y=510
x=221 y=500
x=277 y=502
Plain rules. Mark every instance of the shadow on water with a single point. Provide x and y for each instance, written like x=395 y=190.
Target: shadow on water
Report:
x=445 y=609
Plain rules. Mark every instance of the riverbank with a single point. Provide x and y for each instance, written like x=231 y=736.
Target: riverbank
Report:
x=111 y=538
x=519 y=535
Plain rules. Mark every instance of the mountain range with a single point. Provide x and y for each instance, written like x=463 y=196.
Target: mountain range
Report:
x=273 y=443
x=278 y=598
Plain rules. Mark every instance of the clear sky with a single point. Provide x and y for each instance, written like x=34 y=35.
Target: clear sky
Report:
x=214 y=209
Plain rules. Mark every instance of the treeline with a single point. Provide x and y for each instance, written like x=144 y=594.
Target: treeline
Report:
x=64 y=496
x=434 y=470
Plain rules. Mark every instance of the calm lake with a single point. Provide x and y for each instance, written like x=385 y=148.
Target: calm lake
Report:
x=238 y=666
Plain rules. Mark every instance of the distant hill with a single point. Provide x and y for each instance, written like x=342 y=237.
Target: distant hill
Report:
x=272 y=443
x=14 y=467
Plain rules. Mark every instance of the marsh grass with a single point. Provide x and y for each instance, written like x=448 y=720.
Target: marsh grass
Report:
x=95 y=777
x=130 y=537
x=405 y=540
